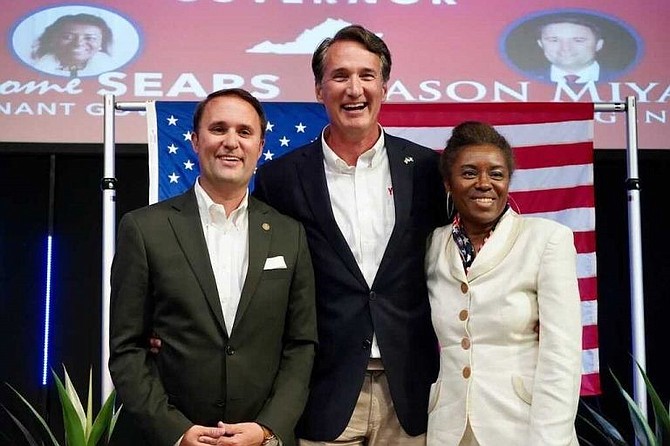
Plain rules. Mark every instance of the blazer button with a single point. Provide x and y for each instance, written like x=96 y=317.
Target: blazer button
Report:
x=466 y=372
x=464 y=288
x=465 y=343
x=463 y=315
x=373 y=295
x=221 y=404
x=367 y=344
x=230 y=351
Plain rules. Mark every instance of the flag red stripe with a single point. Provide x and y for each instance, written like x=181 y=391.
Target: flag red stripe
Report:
x=552 y=155
x=585 y=241
x=550 y=200
x=591 y=384
x=588 y=288
x=449 y=115
x=589 y=337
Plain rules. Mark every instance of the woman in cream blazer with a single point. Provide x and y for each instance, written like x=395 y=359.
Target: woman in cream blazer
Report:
x=501 y=382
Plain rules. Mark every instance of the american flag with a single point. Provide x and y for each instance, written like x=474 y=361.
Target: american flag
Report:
x=553 y=146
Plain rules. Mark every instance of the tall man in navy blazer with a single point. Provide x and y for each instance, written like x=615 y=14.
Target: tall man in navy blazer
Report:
x=367 y=200
x=226 y=283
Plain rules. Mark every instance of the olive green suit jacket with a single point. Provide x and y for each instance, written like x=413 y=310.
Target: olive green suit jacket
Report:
x=162 y=281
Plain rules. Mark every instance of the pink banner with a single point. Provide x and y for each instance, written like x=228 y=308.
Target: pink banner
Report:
x=59 y=58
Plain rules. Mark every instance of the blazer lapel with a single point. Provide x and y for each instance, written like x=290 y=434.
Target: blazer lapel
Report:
x=315 y=187
x=497 y=246
x=402 y=177
x=185 y=222
x=260 y=234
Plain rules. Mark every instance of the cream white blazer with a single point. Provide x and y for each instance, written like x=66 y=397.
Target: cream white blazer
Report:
x=516 y=387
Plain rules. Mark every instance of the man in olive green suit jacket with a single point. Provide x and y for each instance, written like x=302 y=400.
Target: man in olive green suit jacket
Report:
x=253 y=377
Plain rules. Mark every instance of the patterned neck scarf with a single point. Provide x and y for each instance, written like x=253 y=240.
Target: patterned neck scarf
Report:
x=465 y=246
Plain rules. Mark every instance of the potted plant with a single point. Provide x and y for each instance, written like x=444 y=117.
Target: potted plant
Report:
x=645 y=435
x=79 y=427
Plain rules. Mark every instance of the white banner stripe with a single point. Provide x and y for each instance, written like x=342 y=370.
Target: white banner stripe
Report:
x=577 y=219
x=589 y=312
x=590 y=361
x=552 y=178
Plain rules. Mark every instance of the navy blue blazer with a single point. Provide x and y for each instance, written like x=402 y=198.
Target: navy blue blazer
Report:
x=395 y=308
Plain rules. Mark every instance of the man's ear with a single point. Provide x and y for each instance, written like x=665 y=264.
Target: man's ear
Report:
x=317 y=92
x=260 y=149
x=194 y=142
x=599 y=44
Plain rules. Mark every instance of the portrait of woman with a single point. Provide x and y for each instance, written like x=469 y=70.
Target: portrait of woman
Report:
x=76 y=45
x=75 y=41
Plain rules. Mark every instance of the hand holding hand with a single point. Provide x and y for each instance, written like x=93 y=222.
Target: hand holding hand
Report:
x=238 y=434
x=198 y=435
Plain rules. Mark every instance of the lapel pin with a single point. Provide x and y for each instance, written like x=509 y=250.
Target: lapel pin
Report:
x=266 y=226
x=408 y=159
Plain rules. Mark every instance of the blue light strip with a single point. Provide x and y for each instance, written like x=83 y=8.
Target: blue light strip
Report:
x=47 y=314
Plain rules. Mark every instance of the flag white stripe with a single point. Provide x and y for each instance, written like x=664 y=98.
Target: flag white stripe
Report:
x=589 y=312
x=518 y=135
x=590 y=361
x=546 y=178
x=577 y=219
x=586 y=265
x=567 y=132
x=152 y=140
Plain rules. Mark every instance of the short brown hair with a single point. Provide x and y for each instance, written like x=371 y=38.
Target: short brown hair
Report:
x=237 y=92
x=353 y=33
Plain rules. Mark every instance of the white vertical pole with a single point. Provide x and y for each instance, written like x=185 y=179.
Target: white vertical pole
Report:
x=635 y=260
x=108 y=185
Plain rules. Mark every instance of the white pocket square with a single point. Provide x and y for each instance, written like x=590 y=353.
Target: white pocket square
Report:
x=274 y=263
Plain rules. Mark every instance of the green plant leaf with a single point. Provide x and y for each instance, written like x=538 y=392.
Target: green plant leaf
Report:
x=74 y=431
x=112 y=424
x=643 y=432
x=89 y=407
x=26 y=433
x=73 y=397
x=37 y=415
x=103 y=420
x=604 y=427
x=661 y=418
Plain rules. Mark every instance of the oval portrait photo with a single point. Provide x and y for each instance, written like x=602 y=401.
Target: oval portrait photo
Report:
x=572 y=46
x=75 y=41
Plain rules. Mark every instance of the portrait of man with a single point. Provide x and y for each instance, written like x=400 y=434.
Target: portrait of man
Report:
x=75 y=41
x=571 y=46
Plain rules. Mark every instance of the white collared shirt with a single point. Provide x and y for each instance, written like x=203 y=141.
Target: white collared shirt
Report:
x=588 y=74
x=227 y=240
x=361 y=197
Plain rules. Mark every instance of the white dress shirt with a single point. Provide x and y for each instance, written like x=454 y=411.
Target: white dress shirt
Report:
x=227 y=240
x=588 y=74
x=361 y=197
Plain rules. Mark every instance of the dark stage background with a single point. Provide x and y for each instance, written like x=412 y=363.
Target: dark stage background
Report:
x=76 y=293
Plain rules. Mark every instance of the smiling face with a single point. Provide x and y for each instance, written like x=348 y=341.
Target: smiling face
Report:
x=229 y=143
x=352 y=90
x=569 y=46
x=77 y=43
x=479 y=184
